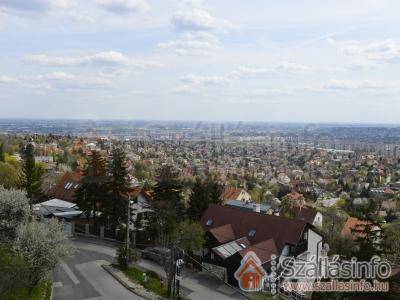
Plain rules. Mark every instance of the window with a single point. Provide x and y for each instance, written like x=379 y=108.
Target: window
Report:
x=209 y=222
x=252 y=233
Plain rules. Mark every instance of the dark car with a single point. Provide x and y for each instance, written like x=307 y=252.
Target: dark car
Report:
x=157 y=254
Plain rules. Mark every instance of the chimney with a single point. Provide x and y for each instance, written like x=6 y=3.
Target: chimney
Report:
x=257 y=207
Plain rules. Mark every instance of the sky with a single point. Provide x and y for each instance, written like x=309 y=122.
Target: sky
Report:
x=219 y=60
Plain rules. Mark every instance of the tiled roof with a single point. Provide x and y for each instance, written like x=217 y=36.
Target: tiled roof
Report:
x=231 y=194
x=66 y=187
x=255 y=226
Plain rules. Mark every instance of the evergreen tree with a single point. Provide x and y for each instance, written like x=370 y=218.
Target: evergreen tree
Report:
x=204 y=192
x=2 y=158
x=167 y=202
x=31 y=177
x=198 y=201
x=117 y=186
x=369 y=234
x=92 y=190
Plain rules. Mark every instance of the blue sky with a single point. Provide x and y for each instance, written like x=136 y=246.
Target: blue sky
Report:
x=259 y=60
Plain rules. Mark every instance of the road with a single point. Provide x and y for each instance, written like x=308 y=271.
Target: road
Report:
x=81 y=277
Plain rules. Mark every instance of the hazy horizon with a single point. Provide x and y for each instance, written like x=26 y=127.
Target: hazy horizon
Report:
x=289 y=61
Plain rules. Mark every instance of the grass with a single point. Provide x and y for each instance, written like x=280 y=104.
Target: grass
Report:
x=153 y=280
x=42 y=291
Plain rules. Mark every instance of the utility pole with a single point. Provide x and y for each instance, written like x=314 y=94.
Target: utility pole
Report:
x=128 y=217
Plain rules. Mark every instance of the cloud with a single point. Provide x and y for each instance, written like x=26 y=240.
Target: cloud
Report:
x=32 y=6
x=123 y=7
x=206 y=80
x=193 y=44
x=335 y=84
x=198 y=19
x=282 y=67
x=101 y=59
x=7 y=80
x=384 y=51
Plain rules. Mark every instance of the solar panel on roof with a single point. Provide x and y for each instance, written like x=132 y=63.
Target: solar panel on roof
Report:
x=230 y=249
x=235 y=246
x=223 y=252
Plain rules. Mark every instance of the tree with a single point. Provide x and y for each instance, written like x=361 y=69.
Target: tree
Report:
x=188 y=236
x=9 y=175
x=198 y=201
x=14 y=270
x=42 y=246
x=392 y=242
x=14 y=210
x=92 y=190
x=2 y=157
x=31 y=175
x=167 y=202
x=117 y=185
x=203 y=193
x=168 y=212
x=369 y=235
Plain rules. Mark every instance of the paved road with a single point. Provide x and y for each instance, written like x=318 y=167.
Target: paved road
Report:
x=81 y=277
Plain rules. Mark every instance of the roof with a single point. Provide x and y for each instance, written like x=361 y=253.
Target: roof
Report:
x=58 y=203
x=263 y=250
x=305 y=213
x=282 y=230
x=351 y=224
x=231 y=194
x=231 y=248
x=247 y=205
x=294 y=196
x=66 y=187
x=223 y=233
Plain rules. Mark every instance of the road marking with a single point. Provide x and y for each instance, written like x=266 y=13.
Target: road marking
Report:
x=57 y=284
x=69 y=272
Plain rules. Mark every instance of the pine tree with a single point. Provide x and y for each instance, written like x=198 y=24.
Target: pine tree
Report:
x=198 y=201
x=213 y=190
x=167 y=202
x=90 y=195
x=2 y=158
x=117 y=186
x=31 y=180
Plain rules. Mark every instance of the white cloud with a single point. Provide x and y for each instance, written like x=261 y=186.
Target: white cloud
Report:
x=195 y=44
x=122 y=7
x=282 y=67
x=35 y=6
x=206 y=80
x=335 y=84
x=384 y=51
x=101 y=59
x=7 y=80
x=198 y=19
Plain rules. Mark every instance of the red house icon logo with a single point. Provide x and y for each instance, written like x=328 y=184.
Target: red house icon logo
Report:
x=250 y=274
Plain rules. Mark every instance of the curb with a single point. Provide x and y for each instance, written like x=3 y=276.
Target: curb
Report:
x=109 y=270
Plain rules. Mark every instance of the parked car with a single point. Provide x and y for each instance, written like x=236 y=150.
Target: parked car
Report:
x=157 y=254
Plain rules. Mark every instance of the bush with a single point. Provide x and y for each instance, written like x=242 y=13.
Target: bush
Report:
x=134 y=255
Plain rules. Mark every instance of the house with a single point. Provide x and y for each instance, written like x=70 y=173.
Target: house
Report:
x=66 y=187
x=231 y=233
x=235 y=194
x=57 y=208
